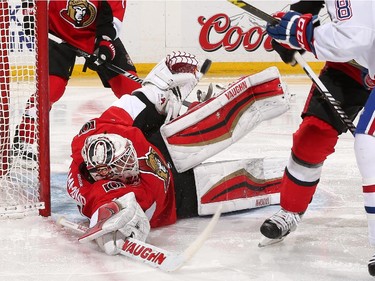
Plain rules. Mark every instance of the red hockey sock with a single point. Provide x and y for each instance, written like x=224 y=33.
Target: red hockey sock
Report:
x=122 y=85
x=294 y=196
x=312 y=143
x=57 y=87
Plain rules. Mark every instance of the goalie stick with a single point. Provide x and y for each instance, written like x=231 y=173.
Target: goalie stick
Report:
x=335 y=105
x=150 y=254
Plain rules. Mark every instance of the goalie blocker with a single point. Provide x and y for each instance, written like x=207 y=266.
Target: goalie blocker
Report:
x=215 y=124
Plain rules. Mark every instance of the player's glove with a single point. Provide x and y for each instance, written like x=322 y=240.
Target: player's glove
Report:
x=286 y=54
x=28 y=17
x=367 y=81
x=113 y=222
x=294 y=31
x=105 y=50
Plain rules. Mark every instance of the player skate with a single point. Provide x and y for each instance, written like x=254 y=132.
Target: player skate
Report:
x=24 y=152
x=371 y=266
x=278 y=226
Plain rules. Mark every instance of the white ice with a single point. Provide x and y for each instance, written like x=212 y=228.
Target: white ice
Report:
x=329 y=245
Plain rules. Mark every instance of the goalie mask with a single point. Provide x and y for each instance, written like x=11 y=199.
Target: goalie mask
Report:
x=110 y=157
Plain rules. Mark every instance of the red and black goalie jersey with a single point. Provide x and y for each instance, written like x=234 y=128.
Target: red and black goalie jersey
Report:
x=154 y=191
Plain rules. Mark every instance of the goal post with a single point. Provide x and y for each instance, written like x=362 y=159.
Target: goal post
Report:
x=24 y=149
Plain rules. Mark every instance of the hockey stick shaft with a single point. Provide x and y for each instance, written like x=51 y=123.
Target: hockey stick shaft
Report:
x=108 y=65
x=203 y=70
x=306 y=68
x=150 y=254
x=323 y=90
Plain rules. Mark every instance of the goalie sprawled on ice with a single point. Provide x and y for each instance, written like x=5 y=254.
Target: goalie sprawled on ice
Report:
x=132 y=170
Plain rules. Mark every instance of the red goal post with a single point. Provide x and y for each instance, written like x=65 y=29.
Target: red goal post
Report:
x=24 y=188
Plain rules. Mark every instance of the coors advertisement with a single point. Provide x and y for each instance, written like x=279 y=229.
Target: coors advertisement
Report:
x=230 y=33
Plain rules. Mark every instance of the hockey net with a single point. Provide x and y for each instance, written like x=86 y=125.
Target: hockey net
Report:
x=24 y=168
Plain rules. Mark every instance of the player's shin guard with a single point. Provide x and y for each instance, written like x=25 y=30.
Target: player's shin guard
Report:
x=239 y=184
x=219 y=122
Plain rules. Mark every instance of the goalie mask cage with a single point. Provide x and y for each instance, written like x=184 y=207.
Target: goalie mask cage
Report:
x=24 y=184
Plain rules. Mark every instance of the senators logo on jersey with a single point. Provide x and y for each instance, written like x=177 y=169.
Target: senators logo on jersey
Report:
x=152 y=163
x=80 y=13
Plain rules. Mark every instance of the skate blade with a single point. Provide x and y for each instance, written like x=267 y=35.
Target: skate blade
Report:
x=267 y=242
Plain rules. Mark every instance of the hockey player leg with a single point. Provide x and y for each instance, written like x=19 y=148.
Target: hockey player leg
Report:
x=121 y=85
x=116 y=220
x=312 y=143
x=24 y=144
x=239 y=184
x=219 y=122
x=364 y=148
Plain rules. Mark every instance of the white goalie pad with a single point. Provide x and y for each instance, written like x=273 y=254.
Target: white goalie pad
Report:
x=215 y=124
x=239 y=184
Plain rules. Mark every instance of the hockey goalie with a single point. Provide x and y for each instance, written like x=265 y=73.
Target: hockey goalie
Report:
x=133 y=170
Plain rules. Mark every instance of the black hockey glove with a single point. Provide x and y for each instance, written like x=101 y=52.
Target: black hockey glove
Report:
x=287 y=55
x=28 y=17
x=105 y=50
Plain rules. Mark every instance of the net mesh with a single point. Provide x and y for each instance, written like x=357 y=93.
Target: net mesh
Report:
x=19 y=169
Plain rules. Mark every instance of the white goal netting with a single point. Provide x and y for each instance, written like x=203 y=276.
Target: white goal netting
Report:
x=21 y=177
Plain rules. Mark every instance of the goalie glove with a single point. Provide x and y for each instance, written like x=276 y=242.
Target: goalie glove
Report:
x=171 y=81
x=113 y=222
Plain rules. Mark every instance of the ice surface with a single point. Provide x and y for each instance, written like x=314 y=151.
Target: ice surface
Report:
x=329 y=245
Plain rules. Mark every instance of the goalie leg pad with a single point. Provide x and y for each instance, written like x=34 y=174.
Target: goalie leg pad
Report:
x=219 y=122
x=238 y=185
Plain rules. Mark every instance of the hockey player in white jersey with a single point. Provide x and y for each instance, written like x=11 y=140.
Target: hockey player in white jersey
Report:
x=349 y=36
